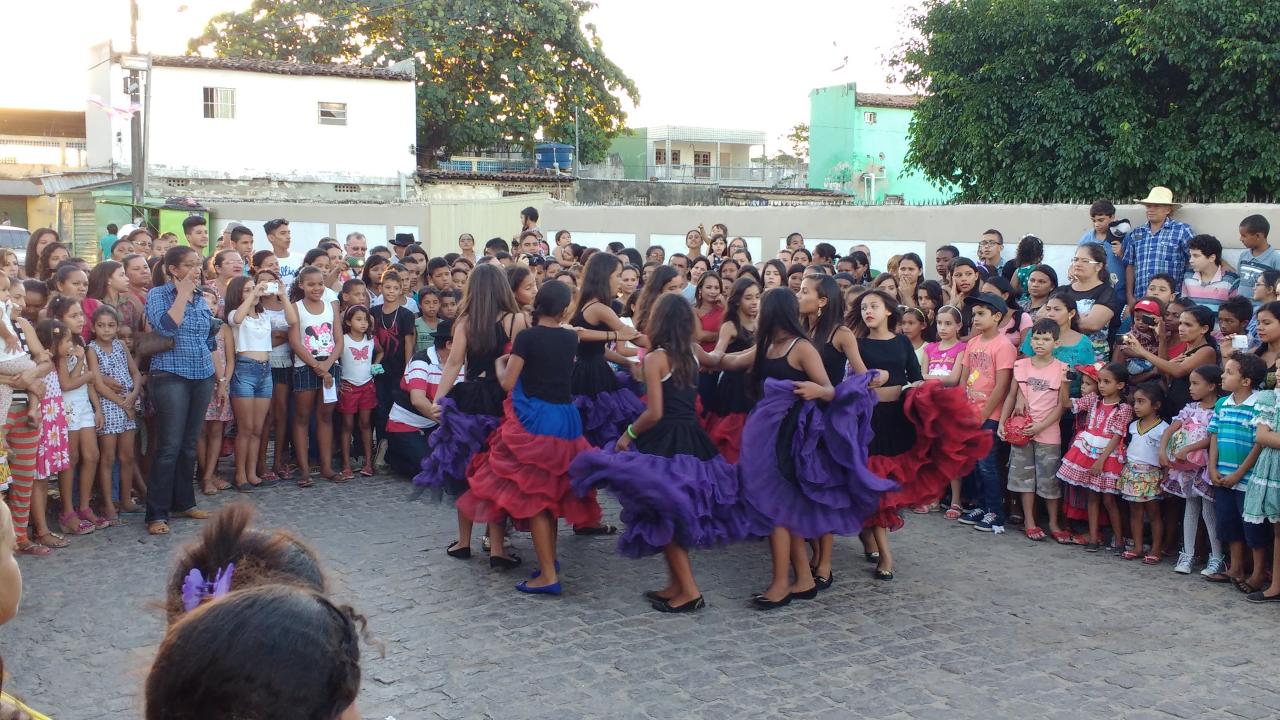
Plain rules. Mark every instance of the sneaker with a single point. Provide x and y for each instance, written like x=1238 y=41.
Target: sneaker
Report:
x=1215 y=566
x=989 y=523
x=973 y=517
x=1184 y=564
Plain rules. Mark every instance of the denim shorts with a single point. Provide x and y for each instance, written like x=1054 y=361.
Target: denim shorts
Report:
x=252 y=379
x=304 y=378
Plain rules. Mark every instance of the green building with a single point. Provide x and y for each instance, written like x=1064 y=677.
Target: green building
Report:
x=858 y=145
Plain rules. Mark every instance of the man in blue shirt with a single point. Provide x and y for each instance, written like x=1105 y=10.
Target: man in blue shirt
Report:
x=1102 y=213
x=1257 y=256
x=106 y=242
x=1160 y=246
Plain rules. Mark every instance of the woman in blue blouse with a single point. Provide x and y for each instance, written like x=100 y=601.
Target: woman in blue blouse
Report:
x=179 y=384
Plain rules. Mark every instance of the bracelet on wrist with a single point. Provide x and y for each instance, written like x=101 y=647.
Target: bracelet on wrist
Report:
x=631 y=433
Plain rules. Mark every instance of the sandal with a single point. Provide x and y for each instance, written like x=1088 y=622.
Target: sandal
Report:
x=348 y=475
x=953 y=512
x=306 y=482
x=268 y=476
x=921 y=510
x=1130 y=555
x=52 y=540
x=1221 y=578
x=367 y=471
x=33 y=548
x=1062 y=537
x=1034 y=533
x=72 y=524
x=1151 y=560
x=116 y=521
x=88 y=516
x=159 y=527
x=1015 y=519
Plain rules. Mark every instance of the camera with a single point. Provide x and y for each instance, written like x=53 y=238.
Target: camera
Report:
x=1148 y=320
x=273 y=288
x=355 y=262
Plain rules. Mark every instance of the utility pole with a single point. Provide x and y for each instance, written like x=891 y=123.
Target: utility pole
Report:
x=575 y=140
x=137 y=161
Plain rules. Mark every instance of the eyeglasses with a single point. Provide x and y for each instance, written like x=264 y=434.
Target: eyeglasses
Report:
x=988 y=243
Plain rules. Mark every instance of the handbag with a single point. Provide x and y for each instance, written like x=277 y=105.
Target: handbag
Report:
x=1015 y=430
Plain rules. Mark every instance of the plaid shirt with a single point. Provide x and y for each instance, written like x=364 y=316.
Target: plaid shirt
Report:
x=191 y=356
x=1151 y=253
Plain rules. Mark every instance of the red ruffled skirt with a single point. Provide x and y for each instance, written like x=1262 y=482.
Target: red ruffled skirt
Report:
x=949 y=442
x=522 y=474
x=726 y=432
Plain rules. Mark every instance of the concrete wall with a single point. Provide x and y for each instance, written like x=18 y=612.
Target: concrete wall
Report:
x=643 y=192
x=312 y=221
x=887 y=229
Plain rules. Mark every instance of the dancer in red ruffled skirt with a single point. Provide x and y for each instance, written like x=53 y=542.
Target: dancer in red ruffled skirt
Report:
x=725 y=415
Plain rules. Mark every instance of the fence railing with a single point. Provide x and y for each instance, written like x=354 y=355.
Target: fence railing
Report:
x=36 y=150
x=758 y=176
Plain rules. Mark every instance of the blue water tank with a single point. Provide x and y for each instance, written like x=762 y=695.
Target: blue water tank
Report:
x=554 y=155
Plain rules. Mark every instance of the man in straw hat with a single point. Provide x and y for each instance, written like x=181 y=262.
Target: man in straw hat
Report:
x=1160 y=246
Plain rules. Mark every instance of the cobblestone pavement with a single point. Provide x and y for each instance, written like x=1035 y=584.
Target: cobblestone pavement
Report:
x=974 y=626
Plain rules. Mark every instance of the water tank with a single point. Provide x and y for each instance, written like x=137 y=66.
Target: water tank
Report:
x=554 y=156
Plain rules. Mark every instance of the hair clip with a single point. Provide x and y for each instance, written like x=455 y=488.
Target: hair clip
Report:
x=195 y=589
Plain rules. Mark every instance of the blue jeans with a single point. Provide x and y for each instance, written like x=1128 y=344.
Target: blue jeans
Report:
x=252 y=379
x=180 y=408
x=405 y=451
x=989 y=488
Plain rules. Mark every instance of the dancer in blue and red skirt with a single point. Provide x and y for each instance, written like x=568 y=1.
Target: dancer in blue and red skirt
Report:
x=524 y=474
x=676 y=491
x=727 y=413
x=470 y=411
x=803 y=467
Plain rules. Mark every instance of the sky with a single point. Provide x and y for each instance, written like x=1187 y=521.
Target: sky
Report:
x=714 y=63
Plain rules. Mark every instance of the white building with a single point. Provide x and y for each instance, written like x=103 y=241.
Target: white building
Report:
x=260 y=129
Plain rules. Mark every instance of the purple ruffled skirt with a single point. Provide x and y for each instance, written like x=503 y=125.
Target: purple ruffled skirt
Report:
x=607 y=413
x=804 y=467
x=452 y=446
x=680 y=499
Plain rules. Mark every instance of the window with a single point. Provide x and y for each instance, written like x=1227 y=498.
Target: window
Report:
x=220 y=103
x=675 y=157
x=869 y=118
x=659 y=156
x=332 y=113
x=701 y=164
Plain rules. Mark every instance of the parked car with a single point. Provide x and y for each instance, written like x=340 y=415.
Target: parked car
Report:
x=15 y=238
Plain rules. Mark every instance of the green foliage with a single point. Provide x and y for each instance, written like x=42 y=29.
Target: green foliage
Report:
x=1045 y=100
x=799 y=138
x=489 y=72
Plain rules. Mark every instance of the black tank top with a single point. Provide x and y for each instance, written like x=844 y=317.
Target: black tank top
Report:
x=587 y=349
x=833 y=360
x=780 y=369
x=679 y=403
x=485 y=366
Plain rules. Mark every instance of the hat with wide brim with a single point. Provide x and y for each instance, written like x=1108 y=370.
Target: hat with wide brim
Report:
x=1159 y=195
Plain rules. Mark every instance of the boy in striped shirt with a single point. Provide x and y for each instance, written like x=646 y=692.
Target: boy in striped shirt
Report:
x=1232 y=453
x=1206 y=281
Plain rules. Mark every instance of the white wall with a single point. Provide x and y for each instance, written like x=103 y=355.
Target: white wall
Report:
x=276 y=132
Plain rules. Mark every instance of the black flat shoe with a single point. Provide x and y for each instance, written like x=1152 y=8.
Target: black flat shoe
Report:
x=497 y=562
x=871 y=556
x=884 y=574
x=454 y=551
x=762 y=604
x=597 y=530
x=809 y=594
x=691 y=606
x=824 y=582
x=654 y=596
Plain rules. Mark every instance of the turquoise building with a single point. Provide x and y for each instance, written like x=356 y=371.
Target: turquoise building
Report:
x=858 y=145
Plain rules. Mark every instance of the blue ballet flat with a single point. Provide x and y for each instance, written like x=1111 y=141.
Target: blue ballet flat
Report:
x=553 y=589
x=538 y=573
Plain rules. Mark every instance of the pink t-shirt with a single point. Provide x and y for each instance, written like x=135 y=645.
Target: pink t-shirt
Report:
x=983 y=359
x=941 y=362
x=1040 y=386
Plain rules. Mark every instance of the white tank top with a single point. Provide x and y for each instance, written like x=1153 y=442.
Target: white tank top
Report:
x=253 y=334
x=317 y=331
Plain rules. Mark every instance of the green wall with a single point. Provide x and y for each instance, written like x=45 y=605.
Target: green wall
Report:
x=839 y=133
x=632 y=147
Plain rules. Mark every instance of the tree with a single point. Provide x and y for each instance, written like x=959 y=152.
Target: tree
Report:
x=1043 y=100
x=799 y=137
x=489 y=72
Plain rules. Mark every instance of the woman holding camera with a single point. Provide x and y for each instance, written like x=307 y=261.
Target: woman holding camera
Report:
x=180 y=385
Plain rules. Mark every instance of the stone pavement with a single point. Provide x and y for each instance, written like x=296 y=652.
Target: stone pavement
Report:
x=974 y=626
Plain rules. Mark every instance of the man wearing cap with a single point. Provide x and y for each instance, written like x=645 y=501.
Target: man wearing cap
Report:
x=988 y=361
x=1160 y=246
x=224 y=240
x=400 y=243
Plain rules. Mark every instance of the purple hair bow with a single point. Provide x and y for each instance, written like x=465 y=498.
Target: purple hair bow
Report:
x=195 y=589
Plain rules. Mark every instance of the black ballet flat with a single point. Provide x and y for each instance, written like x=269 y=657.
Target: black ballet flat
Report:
x=654 y=596
x=763 y=604
x=809 y=594
x=884 y=574
x=691 y=606
x=822 y=583
x=456 y=552
x=872 y=556
x=497 y=562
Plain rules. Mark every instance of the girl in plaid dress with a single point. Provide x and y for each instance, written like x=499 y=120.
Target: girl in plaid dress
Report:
x=1097 y=457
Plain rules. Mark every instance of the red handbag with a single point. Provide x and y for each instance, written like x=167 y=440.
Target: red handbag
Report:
x=1015 y=430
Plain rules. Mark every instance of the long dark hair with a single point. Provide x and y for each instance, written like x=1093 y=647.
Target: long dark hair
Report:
x=779 y=317
x=649 y=295
x=296 y=292
x=99 y=276
x=670 y=329
x=1048 y=272
x=780 y=267
x=595 y=280
x=733 y=305
x=706 y=278
x=33 y=257
x=516 y=275
x=1099 y=256
x=235 y=295
x=43 y=271
x=487 y=298
x=370 y=268
x=551 y=301
x=173 y=257
x=859 y=325
x=830 y=318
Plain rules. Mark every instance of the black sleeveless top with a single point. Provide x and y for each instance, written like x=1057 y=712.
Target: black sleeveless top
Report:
x=678 y=432
x=484 y=367
x=833 y=360
x=594 y=349
x=780 y=369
